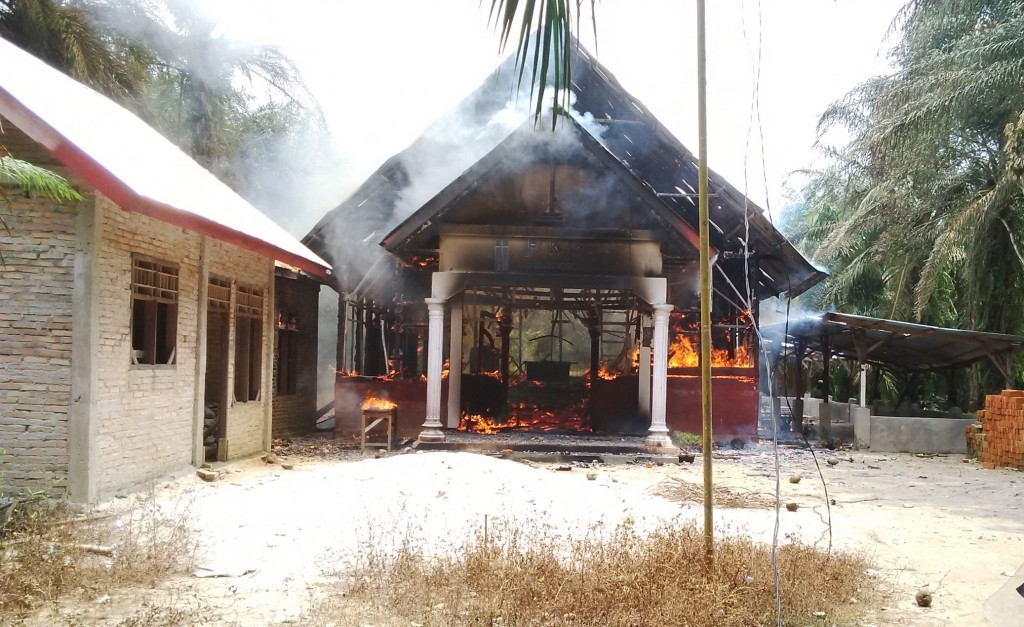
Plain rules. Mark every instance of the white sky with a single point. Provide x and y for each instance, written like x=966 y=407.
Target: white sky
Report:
x=383 y=70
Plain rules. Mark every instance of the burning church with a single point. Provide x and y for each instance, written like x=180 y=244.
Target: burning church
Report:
x=500 y=275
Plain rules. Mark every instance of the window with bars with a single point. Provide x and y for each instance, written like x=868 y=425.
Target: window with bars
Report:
x=248 y=343
x=154 y=322
x=218 y=295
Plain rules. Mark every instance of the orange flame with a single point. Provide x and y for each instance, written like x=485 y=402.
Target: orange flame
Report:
x=373 y=403
x=524 y=418
x=685 y=353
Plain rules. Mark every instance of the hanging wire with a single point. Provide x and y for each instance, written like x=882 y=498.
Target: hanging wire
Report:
x=750 y=298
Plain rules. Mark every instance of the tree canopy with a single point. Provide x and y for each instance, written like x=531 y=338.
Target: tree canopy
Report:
x=918 y=217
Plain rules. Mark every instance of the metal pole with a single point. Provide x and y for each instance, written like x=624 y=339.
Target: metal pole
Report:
x=705 y=283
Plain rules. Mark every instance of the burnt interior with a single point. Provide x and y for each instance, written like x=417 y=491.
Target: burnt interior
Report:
x=550 y=235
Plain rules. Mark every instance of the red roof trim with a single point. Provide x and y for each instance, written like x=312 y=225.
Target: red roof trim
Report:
x=84 y=166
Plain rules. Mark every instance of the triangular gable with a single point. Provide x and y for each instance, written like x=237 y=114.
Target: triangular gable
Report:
x=426 y=221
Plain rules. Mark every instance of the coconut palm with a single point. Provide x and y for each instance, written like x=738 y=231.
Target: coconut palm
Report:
x=544 y=43
x=68 y=36
x=197 y=96
x=929 y=189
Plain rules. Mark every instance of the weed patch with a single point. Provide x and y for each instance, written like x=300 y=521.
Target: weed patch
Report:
x=523 y=579
x=47 y=552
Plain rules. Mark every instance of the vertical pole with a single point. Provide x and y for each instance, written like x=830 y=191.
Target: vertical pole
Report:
x=705 y=281
x=504 y=319
x=435 y=353
x=340 y=362
x=455 y=364
x=270 y=338
x=798 y=398
x=863 y=384
x=644 y=369
x=199 y=394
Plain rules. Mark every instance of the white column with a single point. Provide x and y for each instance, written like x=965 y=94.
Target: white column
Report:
x=658 y=435
x=435 y=353
x=863 y=385
x=455 y=364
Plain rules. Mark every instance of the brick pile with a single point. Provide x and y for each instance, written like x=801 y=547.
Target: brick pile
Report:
x=1002 y=430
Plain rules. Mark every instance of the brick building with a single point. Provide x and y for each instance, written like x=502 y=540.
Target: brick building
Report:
x=139 y=326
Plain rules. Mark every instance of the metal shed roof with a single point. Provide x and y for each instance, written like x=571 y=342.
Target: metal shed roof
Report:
x=132 y=164
x=903 y=345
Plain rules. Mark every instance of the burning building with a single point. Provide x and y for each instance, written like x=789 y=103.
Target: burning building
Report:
x=500 y=275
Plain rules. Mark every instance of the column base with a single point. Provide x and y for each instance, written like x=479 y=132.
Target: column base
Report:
x=431 y=434
x=658 y=441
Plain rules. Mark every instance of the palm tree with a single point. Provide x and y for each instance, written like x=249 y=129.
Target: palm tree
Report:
x=69 y=37
x=928 y=193
x=546 y=35
x=196 y=97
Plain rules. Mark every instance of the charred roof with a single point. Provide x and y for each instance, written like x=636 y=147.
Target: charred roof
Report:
x=474 y=149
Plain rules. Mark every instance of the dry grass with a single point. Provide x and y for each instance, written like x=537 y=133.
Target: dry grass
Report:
x=47 y=553
x=685 y=492
x=521 y=579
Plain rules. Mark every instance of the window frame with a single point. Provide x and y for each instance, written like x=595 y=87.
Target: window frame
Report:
x=249 y=343
x=154 y=291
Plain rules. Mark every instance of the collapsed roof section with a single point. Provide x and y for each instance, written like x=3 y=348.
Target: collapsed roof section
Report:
x=133 y=165
x=468 y=151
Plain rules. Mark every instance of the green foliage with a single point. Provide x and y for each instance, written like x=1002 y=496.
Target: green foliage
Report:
x=547 y=50
x=32 y=178
x=918 y=216
x=685 y=439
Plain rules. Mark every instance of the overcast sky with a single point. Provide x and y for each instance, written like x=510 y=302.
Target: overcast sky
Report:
x=382 y=70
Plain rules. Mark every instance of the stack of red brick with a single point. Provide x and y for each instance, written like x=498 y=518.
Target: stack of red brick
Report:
x=1002 y=433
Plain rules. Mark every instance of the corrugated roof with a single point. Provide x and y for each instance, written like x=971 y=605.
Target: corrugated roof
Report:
x=131 y=163
x=903 y=345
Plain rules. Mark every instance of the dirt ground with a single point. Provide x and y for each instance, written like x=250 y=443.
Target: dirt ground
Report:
x=273 y=536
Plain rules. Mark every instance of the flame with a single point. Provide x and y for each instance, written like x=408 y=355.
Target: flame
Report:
x=525 y=418
x=373 y=403
x=603 y=372
x=684 y=353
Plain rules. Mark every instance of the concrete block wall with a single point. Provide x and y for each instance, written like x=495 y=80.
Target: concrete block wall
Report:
x=145 y=418
x=245 y=420
x=294 y=414
x=36 y=285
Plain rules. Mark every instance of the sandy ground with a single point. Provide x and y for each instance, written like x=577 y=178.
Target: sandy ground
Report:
x=277 y=534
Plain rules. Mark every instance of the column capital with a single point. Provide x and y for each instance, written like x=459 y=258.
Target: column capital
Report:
x=662 y=309
x=435 y=304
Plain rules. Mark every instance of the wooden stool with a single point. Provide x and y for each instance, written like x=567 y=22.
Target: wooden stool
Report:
x=372 y=418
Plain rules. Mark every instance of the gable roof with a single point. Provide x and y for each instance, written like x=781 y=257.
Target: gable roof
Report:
x=631 y=140
x=425 y=222
x=132 y=164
